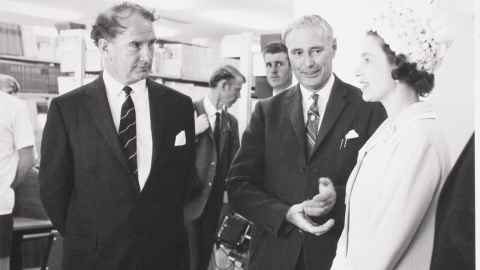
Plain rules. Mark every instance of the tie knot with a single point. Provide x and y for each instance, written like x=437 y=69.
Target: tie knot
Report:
x=127 y=89
x=315 y=98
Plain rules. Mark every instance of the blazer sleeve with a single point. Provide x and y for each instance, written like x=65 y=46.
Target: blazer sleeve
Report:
x=414 y=178
x=245 y=179
x=235 y=138
x=56 y=168
x=192 y=182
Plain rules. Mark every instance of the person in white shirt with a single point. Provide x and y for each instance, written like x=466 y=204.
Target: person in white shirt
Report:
x=16 y=157
x=277 y=66
x=392 y=193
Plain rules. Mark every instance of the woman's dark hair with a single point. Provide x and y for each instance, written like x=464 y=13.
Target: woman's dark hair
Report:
x=421 y=81
x=108 y=26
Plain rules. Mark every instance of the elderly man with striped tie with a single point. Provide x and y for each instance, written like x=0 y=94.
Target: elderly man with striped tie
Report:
x=117 y=157
x=289 y=174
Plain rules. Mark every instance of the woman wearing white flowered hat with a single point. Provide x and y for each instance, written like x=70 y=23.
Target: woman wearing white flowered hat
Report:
x=392 y=192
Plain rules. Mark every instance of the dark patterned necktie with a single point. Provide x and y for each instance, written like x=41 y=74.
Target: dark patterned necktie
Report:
x=216 y=131
x=127 y=131
x=312 y=124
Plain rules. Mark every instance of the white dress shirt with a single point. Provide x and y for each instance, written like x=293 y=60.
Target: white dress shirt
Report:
x=392 y=194
x=116 y=96
x=211 y=111
x=323 y=96
x=16 y=132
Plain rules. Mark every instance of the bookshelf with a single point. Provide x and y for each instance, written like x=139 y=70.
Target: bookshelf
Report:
x=34 y=75
x=25 y=59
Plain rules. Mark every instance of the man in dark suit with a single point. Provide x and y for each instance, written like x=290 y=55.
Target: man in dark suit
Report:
x=309 y=131
x=216 y=143
x=117 y=157
x=454 y=244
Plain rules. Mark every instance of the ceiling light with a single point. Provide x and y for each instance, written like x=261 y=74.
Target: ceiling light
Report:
x=39 y=10
x=248 y=19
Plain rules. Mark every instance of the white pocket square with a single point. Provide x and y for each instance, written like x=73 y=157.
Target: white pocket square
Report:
x=180 y=138
x=351 y=134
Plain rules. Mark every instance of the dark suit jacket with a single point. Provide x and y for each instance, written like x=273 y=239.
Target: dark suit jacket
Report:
x=271 y=172
x=454 y=244
x=92 y=198
x=207 y=164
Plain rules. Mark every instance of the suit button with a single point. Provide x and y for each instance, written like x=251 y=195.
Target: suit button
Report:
x=209 y=184
x=213 y=163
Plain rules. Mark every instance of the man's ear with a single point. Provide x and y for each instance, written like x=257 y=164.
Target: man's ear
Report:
x=103 y=46
x=223 y=84
x=334 y=44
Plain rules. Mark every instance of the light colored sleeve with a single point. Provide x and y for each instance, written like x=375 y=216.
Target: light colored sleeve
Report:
x=340 y=261
x=22 y=127
x=413 y=178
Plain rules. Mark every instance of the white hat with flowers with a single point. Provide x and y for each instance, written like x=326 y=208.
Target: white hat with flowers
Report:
x=413 y=33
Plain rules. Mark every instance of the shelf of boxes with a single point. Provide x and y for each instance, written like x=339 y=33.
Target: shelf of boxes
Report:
x=185 y=62
x=34 y=76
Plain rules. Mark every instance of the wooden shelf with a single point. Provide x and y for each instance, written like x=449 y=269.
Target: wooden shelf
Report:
x=27 y=59
x=36 y=95
x=93 y=72
x=166 y=41
x=195 y=82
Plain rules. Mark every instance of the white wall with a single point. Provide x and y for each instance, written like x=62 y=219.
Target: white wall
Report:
x=453 y=94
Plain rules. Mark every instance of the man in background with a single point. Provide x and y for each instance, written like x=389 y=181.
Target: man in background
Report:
x=16 y=157
x=117 y=156
x=277 y=66
x=216 y=143
x=297 y=152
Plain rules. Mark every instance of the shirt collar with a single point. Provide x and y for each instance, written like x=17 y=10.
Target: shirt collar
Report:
x=323 y=93
x=210 y=109
x=114 y=87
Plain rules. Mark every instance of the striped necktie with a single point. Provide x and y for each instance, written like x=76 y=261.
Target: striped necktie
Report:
x=312 y=124
x=127 y=131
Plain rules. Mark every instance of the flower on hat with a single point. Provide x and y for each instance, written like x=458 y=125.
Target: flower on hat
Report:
x=410 y=34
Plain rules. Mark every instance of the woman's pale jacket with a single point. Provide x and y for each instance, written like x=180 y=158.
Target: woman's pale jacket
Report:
x=392 y=193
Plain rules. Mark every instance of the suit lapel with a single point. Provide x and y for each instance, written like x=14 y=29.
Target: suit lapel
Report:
x=99 y=109
x=294 y=101
x=335 y=106
x=158 y=117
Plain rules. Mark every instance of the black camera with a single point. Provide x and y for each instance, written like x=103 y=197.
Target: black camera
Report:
x=235 y=233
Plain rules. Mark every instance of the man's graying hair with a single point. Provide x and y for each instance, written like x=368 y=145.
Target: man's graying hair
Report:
x=310 y=21
x=225 y=72
x=108 y=26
